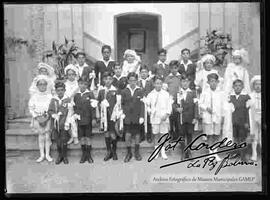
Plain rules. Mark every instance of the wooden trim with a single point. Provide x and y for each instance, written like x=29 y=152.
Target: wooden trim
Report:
x=182 y=38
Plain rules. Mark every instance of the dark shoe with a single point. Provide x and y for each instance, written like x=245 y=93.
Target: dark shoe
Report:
x=129 y=155
x=59 y=157
x=108 y=156
x=83 y=158
x=58 y=160
x=137 y=154
x=65 y=160
x=89 y=157
x=109 y=149
x=114 y=146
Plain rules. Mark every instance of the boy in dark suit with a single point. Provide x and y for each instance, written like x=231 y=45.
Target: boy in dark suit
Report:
x=186 y=107
x=84 y=102
x=186 y=66
x=161 y=68
x=240 y=115
x=58 y=110
x=133 y=112
x=119 y=81
x=107 y=101
x=106 y=64
x=147 y=86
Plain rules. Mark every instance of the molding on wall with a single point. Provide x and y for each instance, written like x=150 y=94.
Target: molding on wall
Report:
x=182 y=38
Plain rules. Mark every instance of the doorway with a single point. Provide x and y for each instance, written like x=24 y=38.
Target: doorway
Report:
x=140 y=32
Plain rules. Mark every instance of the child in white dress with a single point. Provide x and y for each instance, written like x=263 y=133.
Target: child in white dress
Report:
x=47 y=70
x=38 y=106
x=72 y=88
x=255 y=114
x=131 y=63
x=237 y=70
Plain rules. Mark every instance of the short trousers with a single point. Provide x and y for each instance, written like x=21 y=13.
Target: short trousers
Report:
x=134 y=129
x=84 y=131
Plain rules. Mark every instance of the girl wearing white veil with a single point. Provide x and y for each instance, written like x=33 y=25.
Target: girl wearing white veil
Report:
x=132 y=62
x=40 y=124
x=47 y=70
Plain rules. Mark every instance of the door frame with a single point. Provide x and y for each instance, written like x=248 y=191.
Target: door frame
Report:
x=115 y=20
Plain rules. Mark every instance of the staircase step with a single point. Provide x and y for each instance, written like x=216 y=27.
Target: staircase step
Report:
x=25 y=139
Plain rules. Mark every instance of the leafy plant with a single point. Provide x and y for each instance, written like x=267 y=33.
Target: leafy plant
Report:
x=63 y=55
x=217 y=43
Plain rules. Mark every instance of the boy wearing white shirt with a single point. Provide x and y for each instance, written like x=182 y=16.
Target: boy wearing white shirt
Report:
x=159 y=105
x=212 y=103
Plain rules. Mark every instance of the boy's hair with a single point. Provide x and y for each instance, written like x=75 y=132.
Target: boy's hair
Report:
x=184 y=76
x=162 y=51
x=106 y=47
x=80 y=53
x=238 y=81
x=173 y=62
x=83 y=79
x=185 y=49
x=212 y=76
x=132 y=74
x=144 y=67
x=157 y=77
x=107 y=73
x=59 y=85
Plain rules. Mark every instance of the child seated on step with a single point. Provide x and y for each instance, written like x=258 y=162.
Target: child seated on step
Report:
x=72 y=88
x=38 y=107
x=58 y=110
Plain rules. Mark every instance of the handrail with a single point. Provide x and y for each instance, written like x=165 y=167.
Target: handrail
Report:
x=182 y=38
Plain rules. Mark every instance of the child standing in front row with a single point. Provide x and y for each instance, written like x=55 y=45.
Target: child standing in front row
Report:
x=160 y=108
x=58 y=110
x=133 y=112
x=38 y=106
x=84 y=102
x=255 y=114
x=186 y=107
x=212 y=106
x=240 y=115
x=147 y=86
x=172 y=83
x=107 y=101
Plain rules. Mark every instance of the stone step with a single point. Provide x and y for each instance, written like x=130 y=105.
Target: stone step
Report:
x=25 y=139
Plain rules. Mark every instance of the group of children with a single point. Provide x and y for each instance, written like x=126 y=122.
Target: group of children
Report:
x=136 y=101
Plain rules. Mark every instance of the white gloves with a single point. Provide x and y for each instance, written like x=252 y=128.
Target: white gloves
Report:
x=105 y=103
x=94 y=103
x=56 y=116
x=123 y=116
x=165 y=86
x=92 y=75
x=76 y=117
x=141 y=120
x=67 y=126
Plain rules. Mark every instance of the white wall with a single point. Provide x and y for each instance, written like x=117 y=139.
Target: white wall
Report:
x=177 y=19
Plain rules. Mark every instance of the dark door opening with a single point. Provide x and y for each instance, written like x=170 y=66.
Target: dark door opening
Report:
x=141 y=32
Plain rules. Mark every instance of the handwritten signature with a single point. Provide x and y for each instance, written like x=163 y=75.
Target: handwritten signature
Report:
x=224 y=145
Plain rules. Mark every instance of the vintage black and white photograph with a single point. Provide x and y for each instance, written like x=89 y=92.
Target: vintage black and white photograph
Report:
x=133 y=97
